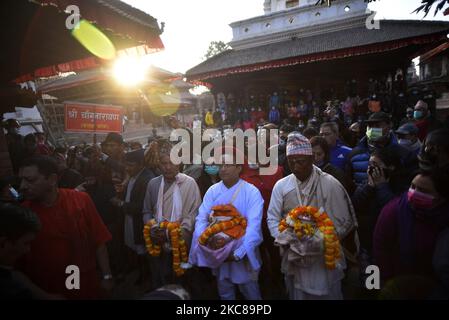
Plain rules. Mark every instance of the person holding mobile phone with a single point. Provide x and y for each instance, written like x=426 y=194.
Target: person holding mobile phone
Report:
x=8 y=194
x=385 y=181
x=379 y=135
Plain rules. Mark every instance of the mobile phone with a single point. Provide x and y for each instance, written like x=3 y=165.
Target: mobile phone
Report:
x=15 y=194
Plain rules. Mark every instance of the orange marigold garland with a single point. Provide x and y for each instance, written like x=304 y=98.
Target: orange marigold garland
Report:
x=178 y=244
x=321 y=221
x=234 y=227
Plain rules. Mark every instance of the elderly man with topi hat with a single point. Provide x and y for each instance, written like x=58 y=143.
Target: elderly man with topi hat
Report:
x=308 y=275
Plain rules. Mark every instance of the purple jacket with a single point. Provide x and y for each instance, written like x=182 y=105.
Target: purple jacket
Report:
x=388 y=252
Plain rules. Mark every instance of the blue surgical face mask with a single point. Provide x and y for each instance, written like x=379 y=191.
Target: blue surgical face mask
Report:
x=418 y=114
x=212 y=170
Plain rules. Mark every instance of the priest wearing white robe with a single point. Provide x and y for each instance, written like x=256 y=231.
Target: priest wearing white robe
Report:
x=240 y=267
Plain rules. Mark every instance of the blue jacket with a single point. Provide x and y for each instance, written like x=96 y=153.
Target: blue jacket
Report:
x=359 y=158
x=339 y=155
x=274 y=116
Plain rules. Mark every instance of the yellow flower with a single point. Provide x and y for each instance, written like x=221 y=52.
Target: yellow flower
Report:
x=179 y=248
x=322 y=222
x=221 y=226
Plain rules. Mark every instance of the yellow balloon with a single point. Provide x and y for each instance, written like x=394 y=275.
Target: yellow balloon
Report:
x=94 y=40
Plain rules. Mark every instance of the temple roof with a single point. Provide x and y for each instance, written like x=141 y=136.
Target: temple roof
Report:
x=359 y=40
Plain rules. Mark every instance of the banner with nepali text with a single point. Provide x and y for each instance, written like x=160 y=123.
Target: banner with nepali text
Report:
x=87 y=117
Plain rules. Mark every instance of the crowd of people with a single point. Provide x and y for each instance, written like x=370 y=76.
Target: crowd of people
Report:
x=376 y=179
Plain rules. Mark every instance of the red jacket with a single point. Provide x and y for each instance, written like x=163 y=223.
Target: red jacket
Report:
x=264 y=183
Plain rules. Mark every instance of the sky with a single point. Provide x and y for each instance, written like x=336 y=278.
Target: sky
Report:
x=190 y=25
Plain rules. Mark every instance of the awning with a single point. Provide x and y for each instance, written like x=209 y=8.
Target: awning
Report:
x=103 y=79
x=117 y=17
x=38 y=44
x=431 y=53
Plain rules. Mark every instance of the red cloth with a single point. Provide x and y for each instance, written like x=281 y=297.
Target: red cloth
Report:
x=71 y=233
x=261 y=115
x=321 y=56
x=264 y=183
x=43 y=149
x=253 y=115
x=423 y=127
x=248 y=125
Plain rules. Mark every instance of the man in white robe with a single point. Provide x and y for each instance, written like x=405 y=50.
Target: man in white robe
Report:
x=243 y=263
x=309 y=186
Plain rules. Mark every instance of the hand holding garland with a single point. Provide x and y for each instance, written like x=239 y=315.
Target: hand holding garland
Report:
x=323 y=223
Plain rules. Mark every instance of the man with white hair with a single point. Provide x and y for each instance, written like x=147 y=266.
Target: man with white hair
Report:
x=308 y=275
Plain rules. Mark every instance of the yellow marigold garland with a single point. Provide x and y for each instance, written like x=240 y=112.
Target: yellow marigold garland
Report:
x=220 y=227
x=323 y=223
x=178 y=244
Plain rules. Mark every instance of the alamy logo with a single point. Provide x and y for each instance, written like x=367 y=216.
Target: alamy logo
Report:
x=371 y=23
x=259 y=147
x=73 y=280
x=373 y=279
x=73 y=20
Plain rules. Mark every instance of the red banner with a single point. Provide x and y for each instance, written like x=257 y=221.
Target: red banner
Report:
x=86 y=117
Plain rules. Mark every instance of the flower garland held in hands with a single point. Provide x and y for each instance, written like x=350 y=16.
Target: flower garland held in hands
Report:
x=318 y=219
x=178 y=244
x=234 y=227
